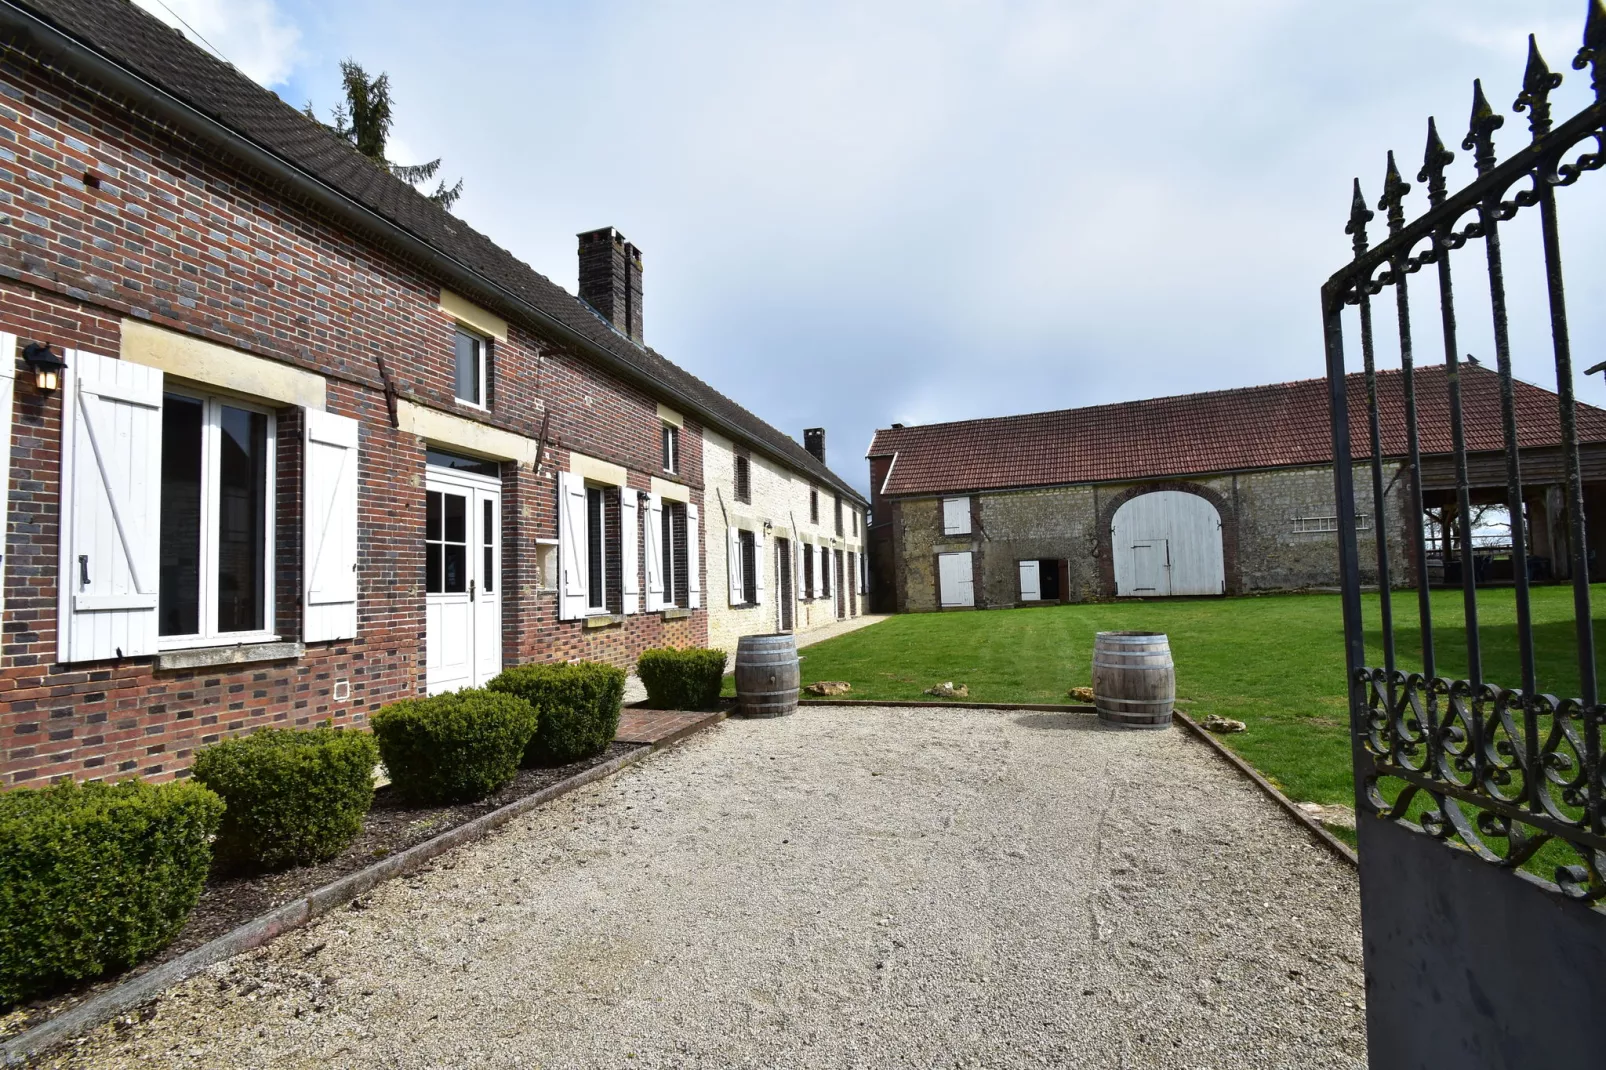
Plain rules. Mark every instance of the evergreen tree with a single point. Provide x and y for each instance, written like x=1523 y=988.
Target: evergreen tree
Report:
x=364 y=119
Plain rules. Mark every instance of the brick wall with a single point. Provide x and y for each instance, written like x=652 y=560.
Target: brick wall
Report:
x=175 y=236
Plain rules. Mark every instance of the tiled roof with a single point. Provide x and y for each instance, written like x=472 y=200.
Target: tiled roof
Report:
x=1275 y=426
x=119 y=31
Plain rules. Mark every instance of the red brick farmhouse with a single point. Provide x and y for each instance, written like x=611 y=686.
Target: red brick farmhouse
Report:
x=318 y=445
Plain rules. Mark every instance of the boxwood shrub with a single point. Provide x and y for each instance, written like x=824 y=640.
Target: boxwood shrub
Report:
x=681 y=679
x=294 y=797
x=578 y=703
x=95 y=877
x=456 y=747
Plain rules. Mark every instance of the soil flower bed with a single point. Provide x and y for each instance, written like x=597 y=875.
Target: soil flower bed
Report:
x=230 y=900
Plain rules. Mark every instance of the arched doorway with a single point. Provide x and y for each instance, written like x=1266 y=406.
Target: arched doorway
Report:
x=1167 y=542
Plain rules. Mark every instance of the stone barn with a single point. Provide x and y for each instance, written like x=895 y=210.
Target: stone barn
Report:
x=1226 y=492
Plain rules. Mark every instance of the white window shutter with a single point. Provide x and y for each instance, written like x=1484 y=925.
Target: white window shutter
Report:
x=111 y=498
x=956 y=516
x=798 y=550
x=694 y=582
x=655 y=553
x=629 y=555
x=733 y=557
x=1030 y=590
x=329 y=526
x=572 y=546
x=758 y=568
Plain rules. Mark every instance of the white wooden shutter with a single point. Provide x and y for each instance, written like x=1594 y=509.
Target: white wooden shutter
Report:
x=734 y=559
x=8 y=383
x=956 y=516
x=572 y=534
x=1030 y=589
x=329 y=520
x=111 y=499
x=655 y=553
x=819 y=576
x=694 y=561
x=758 y=568
x=629 y=555
x=799 y=548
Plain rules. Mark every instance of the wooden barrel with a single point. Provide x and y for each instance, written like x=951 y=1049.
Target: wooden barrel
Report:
x=1134 y=681
x=766 y=675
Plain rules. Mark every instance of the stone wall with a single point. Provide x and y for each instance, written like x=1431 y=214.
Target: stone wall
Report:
x=1263 y=546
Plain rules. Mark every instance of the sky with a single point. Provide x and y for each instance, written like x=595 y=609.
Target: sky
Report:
x=853 y=214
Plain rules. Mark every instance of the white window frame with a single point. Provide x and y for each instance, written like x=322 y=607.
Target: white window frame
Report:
x=479 y=372
x=602 y=529
x=211 y=439
x=1328 y=525
x=671 y=444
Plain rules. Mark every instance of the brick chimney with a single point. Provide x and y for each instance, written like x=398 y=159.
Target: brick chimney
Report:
x=814 y=442
x=610 y=279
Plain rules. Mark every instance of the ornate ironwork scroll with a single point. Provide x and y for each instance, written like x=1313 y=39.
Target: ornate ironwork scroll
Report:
x=1501 y=771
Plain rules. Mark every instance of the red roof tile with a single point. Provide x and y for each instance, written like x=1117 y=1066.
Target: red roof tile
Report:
x=1281 y=425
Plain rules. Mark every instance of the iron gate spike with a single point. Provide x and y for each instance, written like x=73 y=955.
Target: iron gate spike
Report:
x=1593 y=54
x=1537 y=82
x=1434 y=161
x=1480 y=132
x=1359 y=216
x=1394 y=190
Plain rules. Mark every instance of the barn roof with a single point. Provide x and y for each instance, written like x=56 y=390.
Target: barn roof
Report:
x=187 y=77
x=1275 y=426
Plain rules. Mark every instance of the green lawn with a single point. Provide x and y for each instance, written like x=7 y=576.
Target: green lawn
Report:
x=1275 y=662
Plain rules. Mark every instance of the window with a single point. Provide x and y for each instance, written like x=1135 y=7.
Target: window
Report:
x=808 y=572
x=1319 y=524
x=814 y=506
x=956 y=516
x=855 y=522
x=837 y=498
x=671 y=448
x=677 y=580
x=472 y=360
x=825 y=572
x=749 y=552
x=445 y=543
x=596 y=552
x=744 y=480
x=216 y=543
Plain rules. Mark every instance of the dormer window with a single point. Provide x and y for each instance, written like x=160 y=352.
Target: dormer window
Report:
x=473 y=353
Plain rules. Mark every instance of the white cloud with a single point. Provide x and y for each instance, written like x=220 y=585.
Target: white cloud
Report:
x=251 y=34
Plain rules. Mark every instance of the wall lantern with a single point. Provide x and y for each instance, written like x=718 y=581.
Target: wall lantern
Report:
x=47 y=366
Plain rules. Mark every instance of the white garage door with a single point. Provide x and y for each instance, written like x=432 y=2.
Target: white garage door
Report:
x=1167 y=542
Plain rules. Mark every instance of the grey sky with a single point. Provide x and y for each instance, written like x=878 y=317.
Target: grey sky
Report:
x=859 y=213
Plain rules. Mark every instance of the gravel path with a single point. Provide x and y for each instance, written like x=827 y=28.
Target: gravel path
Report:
x=845 y=887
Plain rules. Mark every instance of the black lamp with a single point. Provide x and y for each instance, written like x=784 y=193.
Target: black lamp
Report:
x=46 y=365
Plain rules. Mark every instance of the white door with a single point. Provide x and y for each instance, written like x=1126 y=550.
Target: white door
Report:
x=1030 y=586
x=462 y=580
x=1167 y=542
x=954 y=583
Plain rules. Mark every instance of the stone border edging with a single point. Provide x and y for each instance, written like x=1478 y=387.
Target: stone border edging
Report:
x=1314 y=827
x=15 y=1051
x=1040 y=707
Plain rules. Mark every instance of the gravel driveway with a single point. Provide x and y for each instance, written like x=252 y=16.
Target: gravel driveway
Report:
x=841 y=888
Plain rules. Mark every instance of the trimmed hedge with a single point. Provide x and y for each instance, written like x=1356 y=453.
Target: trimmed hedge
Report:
x=95 y=877
x=294 y=797
x=456 y=747
x=681 y=679
x=579 y=705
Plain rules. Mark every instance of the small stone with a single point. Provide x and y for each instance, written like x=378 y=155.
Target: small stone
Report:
x=1081 y=694
x=1223 y=724
x=829 y=687
x=948 y=690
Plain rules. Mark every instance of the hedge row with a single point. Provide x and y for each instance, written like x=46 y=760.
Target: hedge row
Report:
x=681 y=679
x=95 y=877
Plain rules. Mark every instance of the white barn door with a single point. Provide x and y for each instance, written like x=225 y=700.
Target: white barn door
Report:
x=1167 y=542
x=954 y=581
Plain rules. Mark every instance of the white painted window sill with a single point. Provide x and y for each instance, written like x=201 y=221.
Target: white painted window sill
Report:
x=236 y=654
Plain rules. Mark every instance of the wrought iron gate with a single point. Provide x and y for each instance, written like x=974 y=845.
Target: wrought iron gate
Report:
x=1481 y=820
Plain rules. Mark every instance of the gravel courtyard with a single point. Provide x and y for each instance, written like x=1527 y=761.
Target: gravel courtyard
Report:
x=840 y=888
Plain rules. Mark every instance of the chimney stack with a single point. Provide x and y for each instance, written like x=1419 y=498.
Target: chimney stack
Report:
x=610 y=279
x=814 y=442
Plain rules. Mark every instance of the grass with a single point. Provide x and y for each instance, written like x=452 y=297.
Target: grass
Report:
x=1275 y=662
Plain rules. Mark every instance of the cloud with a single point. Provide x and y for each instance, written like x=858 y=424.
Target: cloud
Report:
x=252 y=34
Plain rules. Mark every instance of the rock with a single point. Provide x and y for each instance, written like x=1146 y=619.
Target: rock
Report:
x=948 y=690
x=1334 y=815
x=1223 y=724
x=1082 y=694
x=829 y=687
